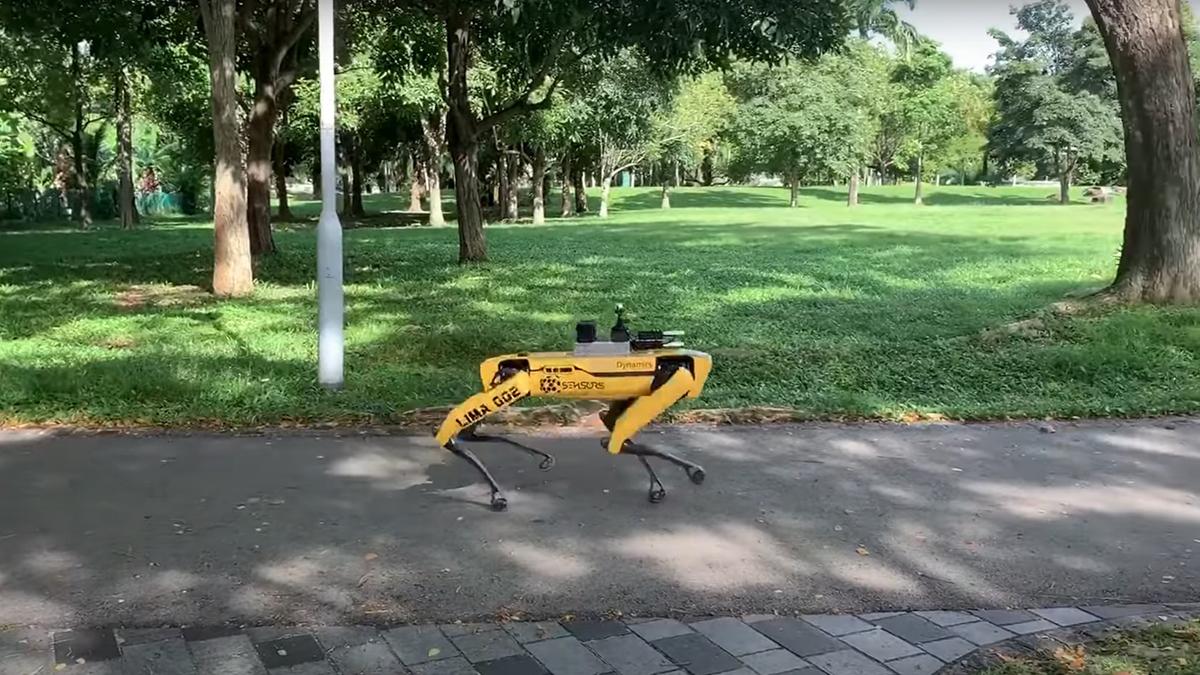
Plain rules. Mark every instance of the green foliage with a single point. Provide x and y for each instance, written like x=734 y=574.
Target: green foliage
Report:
x=1055 y=105
x=1157 y=650
x=700 y=113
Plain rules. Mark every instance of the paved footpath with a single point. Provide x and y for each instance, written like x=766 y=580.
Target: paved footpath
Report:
x=887 y=643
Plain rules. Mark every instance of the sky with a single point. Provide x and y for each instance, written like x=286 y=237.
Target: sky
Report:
x=961 y=26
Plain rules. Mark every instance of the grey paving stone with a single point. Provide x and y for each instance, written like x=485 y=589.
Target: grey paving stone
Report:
x=455 y=629
x=311 y=668
x=292 y=650
x=202 y=633
x=21 y=663
x=881 y=645
x=943 y=618
x=1039 y=625
x=114 y=667
x=418 y=644
x=165 y=657
x=1003 y=617
x=455 y=665
x=734 y=636
x=797 y=637
x=847 y=662
x=661 y=628
x=630 y=655
x=1115 y=611
x=230 y=655
x=532 y=631
x=521 y=664
x=567 y=656
x=268 y=633
x=1065 y=616
x=697 y=654
x=980 y=632
x=90 y=646
x=774 y=662
x=755 y=618
x=595 y=630
x=811 y=670
x=490 y=646
x=140 y=636
x=335 y=637
x=370 y=658
x=838 y=624
x=875 y=616
x=950 y=649
x=922 y=664
x=913 y=628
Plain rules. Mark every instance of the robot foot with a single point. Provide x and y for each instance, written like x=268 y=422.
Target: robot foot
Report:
x=694 y=471
x=499 y=501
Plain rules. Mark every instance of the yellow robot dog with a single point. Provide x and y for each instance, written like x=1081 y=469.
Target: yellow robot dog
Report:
x=642 y=374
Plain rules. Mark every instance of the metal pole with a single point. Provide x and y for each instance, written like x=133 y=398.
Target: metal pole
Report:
x=330 y=298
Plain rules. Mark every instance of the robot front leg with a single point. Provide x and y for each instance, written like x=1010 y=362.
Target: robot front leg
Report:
x=469 y=413
x=626 y=418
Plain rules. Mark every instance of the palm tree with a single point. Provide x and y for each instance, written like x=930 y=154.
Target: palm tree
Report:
x=879 y=17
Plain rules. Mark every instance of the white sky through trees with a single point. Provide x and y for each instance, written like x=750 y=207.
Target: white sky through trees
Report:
x=961 y=26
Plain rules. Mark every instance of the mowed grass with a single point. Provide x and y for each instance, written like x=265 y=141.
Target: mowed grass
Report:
x=1159 y=650
x=884 y=311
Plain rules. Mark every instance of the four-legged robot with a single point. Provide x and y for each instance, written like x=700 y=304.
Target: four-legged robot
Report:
x=642 y=374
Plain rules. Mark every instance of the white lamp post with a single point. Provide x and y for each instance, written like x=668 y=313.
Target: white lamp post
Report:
x=330 y=297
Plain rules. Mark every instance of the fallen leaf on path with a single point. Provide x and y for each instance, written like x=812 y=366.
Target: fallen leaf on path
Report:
x=434 y=651
x=862 y=550
x=371 y=556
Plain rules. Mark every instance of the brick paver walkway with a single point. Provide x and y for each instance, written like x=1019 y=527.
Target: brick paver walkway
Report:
x=904 y=643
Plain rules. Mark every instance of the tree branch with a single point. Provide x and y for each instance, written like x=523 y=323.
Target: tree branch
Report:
x=303 y=23
x=61 y=131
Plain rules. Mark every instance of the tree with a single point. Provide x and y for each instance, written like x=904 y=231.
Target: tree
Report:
x=685 y=136
x=1044 y=113
x=928 y=113
x=879 y=17
x=233 y=273
x=1160 y=256
x=797 y=121
x=546 y=38
x=273 y=30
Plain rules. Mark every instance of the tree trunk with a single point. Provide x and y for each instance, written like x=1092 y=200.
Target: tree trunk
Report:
x=315 y=178
x=567 y=206
x=356 y=182
x=233 y=274
x=605 y=183
x=919 y=199
x=706 y=165
x=512 y=206
x=538 y=186
x=347 y=207
x=414 y=184
x=581 y=203
x=433 y=133
x=125 y=199
x=463 y=141
x=83 y=188
x=502 y=175
x=1064 y=186
x=260 y=140
x=1160 y=258
x=852 y=200
x=794 y=182
x=279 y=170
x=666 y=195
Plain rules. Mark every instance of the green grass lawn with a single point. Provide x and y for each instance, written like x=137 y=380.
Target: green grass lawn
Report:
x=887 y=310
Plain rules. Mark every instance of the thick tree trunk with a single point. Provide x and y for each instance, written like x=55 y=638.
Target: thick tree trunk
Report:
x=233 y=274
x=347 y=192
x=581 y=203
x=126 y=205
x=919 y=198
x=260 y=140
x=605 y=184
x=83 y=188
x=356 y=182
x=567 y=206
x=794 y=182
x=666 y=195
x=538 y=186
x=852 y=199
x=315 y=178
x=1160 y=258
x=433 y=133
x=279 y=170
x=1064 y=187
x=706 y=165
x=512 y=204
x=463 y=142
x=414 y=184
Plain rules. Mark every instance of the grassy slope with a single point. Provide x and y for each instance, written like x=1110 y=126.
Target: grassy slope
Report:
x=876 y=311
